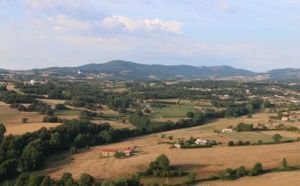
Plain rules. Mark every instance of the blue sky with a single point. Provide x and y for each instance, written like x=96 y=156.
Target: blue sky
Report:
x=257 y=35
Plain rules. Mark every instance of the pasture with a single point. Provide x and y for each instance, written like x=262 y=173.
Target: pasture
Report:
x=253 y=137
x=67 y=112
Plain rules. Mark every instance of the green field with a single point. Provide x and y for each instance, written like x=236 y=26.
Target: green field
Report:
x=111 y=116
x=173 y=111
x=67 y=112
x=253 y=137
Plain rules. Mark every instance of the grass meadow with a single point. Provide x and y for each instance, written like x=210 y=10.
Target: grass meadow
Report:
x=253 y=137
x=67 y=112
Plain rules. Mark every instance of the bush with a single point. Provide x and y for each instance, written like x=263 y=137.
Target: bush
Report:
x=230 y=143
x=73 y=150
x=277 y=138
x=119 y=154
x=60 y=107
x=257 y=169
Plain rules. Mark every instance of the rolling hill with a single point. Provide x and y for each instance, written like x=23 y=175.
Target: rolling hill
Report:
x=133 y=71
x=126 y=70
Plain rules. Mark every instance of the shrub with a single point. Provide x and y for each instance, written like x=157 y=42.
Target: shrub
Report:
x=119 y=154
x=257 y=169
x=73 y=150
x=230 y=143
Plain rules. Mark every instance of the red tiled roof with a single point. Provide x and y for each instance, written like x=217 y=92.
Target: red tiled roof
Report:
x=109 y=150
x=127 y=149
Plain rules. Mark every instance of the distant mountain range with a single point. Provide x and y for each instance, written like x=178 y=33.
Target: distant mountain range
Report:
x=125 y=70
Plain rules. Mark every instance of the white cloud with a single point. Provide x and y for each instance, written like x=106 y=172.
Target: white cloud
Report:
x=142 y=24
x=168 y=26
x=129 y=24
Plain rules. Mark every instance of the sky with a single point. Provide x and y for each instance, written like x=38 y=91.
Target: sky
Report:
x=257 y=35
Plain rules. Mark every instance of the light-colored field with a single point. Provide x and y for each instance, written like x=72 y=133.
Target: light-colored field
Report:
x=270 y=179
x=204 y=162
x=19 y=129
x=254 y=136
x=52 y=102
x=12 y=119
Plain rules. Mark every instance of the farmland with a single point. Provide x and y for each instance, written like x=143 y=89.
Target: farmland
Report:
x=100 y=119
x=204 y=162
x=253 y=136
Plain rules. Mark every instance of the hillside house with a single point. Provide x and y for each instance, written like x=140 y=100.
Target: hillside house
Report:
x=284 y=118
x=128 y=151
x=227 y=130
x=108 y=152
x=201 y=141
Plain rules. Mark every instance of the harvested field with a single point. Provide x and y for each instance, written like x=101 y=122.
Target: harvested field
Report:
x=19 y=129
x=204 y=162
x=270 y=179
x=12 y=119
x=52 y=102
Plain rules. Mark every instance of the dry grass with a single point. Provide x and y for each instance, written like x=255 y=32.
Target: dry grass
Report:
x=12 y=119
x=52 y=102
x=115 y=124
x=271 y=179
x=204 y=162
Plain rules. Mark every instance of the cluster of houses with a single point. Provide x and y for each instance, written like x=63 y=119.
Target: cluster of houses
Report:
x=111 y=152
x=198 y=142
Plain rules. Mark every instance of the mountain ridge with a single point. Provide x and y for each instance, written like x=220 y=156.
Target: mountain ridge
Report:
x=126 y=70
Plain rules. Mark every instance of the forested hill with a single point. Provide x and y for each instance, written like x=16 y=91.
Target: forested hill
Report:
x=128 y=70
x=125 y=70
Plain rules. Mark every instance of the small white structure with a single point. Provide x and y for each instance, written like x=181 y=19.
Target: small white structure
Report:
x=79 y=72
x=227 y=130
x=32 y=82
x=177 y=145
x=295 y=101
x=201 y=141
x=285 y=118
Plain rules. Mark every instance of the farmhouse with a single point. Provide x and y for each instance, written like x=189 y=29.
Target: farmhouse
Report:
x=201 y=141
x=108 y=152
x=128 y=151
x=227 y=130
x=111 y=152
